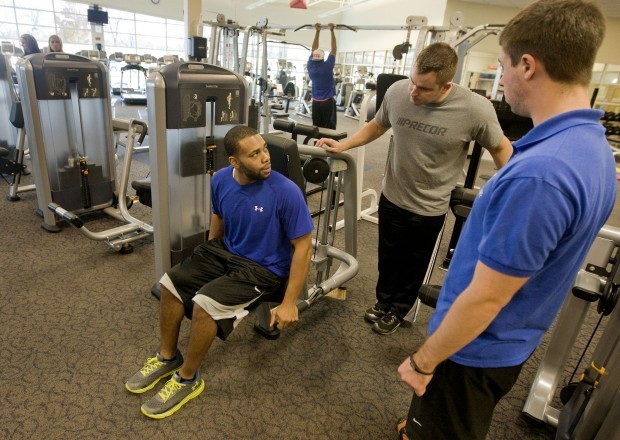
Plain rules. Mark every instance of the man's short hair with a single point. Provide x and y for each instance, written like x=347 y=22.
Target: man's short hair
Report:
x=564 y=35
x=440 y=58
x=236 y=135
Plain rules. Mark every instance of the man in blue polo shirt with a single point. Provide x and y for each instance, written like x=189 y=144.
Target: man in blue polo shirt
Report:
x=529 y=230
x=321 y=72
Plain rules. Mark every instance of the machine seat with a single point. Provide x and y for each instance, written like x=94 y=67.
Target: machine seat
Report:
x=143 y=190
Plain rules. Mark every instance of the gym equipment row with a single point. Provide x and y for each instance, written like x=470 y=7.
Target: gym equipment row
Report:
x=132 y=87
x=363 y=83
x=611 y=116
x=12 y=133
x=67 y=116
x=95 y=55
x=610 y=121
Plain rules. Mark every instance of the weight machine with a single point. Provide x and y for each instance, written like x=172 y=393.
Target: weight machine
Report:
x=193 y=105
x=67 y=115
x=13 y=141
x=590 y=406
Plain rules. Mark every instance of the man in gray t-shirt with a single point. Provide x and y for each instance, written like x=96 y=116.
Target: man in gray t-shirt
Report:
x=433 y=122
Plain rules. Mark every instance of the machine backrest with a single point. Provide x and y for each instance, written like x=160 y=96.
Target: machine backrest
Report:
x=384 y=81
x=285 y=159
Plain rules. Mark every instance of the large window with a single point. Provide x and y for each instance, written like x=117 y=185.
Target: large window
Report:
x=126 y=32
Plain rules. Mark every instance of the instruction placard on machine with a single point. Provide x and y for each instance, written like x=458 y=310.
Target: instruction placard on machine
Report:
x=89 y=84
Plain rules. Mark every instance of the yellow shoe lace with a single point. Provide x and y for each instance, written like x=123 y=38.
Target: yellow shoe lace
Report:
x=171 y=387
x=150 y=365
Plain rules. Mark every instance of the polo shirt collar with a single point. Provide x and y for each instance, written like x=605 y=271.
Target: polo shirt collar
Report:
x=557 y=124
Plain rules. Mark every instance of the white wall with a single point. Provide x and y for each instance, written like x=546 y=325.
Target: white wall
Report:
x=476 y=14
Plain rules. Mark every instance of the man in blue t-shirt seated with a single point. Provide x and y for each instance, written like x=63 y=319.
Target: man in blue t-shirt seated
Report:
x=529 y=230
x=321 y=72
x=259 y=249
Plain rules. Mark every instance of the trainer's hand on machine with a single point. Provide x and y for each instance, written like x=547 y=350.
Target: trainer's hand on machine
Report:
x=330 y=145
x=414 y=380
x=284 y=315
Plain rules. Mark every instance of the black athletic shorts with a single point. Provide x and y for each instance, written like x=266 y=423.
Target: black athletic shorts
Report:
x=225 y=285
x=458 y=403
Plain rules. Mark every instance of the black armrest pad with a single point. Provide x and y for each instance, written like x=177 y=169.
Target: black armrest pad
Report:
x=17 y=117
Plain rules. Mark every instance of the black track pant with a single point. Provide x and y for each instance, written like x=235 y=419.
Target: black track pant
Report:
x=324 y=113
x=406 y=242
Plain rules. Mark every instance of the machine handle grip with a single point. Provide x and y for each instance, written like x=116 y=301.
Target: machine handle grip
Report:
x=311 y=131
x=144 y=129
x=66 y=215
x=287 y=126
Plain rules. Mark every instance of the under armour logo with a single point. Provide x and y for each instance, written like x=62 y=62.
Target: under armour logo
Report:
x=258 y=208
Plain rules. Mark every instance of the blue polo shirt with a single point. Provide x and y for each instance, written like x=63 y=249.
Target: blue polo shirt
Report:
x=322 y=75
x=537 y=218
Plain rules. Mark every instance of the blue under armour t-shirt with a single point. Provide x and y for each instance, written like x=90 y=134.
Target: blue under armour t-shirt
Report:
x=273 y=213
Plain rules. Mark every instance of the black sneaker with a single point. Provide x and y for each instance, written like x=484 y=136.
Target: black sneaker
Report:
x=376 y=312
x=387 y=325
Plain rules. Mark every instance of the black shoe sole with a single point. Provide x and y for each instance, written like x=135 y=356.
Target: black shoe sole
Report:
x=376 y=329
x=371 y=320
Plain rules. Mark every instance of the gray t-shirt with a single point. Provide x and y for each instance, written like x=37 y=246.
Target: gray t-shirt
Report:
x=430 y=145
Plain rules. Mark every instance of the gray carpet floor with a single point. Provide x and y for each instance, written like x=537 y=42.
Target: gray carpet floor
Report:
x=77 y=319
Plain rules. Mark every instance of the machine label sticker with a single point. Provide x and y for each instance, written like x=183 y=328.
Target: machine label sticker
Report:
x=191 y=107
x=227 y=107
x=59 y=84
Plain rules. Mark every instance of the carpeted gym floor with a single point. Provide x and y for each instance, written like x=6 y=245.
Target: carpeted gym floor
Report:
x=77 y=319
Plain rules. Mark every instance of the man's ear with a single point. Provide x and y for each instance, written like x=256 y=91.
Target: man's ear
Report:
x=528 y=65
x=233 y=161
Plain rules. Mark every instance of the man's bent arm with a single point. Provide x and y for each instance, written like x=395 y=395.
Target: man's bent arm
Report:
x=502 y=152
x=216 y=228
x=287 y=312
x=471 y=313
